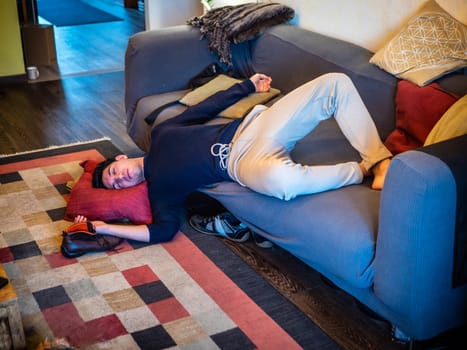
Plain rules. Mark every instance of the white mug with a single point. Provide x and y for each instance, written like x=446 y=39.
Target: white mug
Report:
x=33 y=72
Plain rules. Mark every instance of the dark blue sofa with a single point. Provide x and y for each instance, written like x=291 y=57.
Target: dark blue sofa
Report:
x=391 y=250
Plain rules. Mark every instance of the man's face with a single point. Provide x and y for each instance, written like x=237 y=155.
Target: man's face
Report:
x=122 y=173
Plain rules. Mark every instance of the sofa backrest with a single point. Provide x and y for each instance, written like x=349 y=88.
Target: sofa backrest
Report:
x=293 y=56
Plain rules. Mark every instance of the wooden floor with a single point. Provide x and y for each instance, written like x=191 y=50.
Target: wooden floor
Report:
x=34 y=116
x=83 y=100
x=348 y=323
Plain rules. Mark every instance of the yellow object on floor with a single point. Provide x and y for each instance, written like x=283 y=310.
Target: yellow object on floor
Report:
x=11 y=328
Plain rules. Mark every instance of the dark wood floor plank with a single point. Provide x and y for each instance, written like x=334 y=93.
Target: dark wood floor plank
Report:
x=64 y=111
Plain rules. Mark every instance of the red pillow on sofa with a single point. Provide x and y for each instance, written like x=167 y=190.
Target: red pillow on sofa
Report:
x=417 y=111
x=107 y=205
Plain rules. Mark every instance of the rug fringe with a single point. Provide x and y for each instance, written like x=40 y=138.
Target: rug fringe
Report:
x=56 y=146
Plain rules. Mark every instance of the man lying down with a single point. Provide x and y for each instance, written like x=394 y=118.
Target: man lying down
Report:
x=186 y=154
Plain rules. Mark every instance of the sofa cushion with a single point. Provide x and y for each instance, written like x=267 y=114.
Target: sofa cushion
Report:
x=418 y=109
x=339 y=227
x=324 y=145
x=455 y=82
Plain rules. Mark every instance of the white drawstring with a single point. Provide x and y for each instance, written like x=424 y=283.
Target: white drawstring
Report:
x=222 y=152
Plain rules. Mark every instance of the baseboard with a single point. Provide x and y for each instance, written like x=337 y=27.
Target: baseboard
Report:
x=13 y=79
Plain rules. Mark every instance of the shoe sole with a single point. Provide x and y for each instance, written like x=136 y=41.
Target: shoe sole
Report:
x=265 y=244
x=244 y=238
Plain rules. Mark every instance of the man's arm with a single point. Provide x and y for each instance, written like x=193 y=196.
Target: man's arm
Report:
x=216 y=103
x=221 y=100
x=134 y=232
x=166 y=225
x=224 y=99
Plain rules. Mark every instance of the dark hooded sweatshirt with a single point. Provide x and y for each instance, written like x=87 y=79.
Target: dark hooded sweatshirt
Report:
x=179 y=160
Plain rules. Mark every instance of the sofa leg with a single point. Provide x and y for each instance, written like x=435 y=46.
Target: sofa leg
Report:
x=400 y=337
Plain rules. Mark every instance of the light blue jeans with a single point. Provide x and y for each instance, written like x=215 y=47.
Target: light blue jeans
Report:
x=260 y=150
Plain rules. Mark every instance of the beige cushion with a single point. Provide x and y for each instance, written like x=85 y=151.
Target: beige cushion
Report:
x=432 y=43
x=223 y=82
x=453 y=123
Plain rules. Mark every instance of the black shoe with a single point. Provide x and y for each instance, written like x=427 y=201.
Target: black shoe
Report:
x=224 y=225
x=81 y=242
x=261 y=242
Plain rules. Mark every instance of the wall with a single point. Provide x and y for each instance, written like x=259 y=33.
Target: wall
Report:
x=219 y=3
x=11 y=50
x=159 y=14
x=367 y=23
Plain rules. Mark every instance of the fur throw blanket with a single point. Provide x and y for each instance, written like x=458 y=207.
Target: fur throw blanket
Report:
x=234 y=24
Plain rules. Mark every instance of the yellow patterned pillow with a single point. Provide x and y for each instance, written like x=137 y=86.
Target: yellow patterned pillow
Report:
x=453 y=123
x=433 y=43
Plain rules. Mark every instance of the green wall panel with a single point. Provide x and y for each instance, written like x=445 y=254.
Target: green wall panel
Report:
x=11 y=49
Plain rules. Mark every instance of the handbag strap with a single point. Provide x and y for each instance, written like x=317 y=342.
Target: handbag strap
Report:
x=206 y=75
x=150 y=119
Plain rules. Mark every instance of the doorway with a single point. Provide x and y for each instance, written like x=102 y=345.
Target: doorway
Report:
x=92 y=48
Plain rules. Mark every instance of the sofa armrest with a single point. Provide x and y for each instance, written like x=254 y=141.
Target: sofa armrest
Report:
x=163 y=60
x=415 y=246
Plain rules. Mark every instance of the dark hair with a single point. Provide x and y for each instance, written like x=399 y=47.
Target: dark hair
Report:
x=97 y=174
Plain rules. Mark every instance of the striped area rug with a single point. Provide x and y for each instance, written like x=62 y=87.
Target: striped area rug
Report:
x=191 y=293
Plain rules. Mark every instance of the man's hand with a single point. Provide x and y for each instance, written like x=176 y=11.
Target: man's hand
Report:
x=262 y=82
x=82 y=219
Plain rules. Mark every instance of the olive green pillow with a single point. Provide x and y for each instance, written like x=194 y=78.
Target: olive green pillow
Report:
x=453 y=123
x=223 y=82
